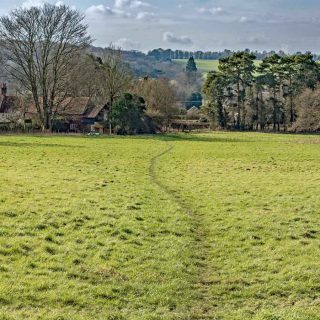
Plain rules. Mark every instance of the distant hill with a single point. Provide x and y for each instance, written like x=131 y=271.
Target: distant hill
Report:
x=140 y=64
x=143 y=65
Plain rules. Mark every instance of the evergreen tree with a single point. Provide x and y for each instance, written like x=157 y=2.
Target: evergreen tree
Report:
x=214 y=90
x=127 y=113
x=272 y=70
x=191 y=66
x=239 y=69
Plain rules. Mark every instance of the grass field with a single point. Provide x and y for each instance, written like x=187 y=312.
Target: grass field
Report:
x=204 y=66
x=212 y=226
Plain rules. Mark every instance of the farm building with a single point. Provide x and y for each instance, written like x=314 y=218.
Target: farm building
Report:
x=79 y=114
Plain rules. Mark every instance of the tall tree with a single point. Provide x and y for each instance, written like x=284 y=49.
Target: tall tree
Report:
x=214 y=90
x=308 y=110
x=191 y=72
x=41 y=45
x=115 y=78
x=239 y=70
x=127 y=113
x=161 y=100
x=289 y=85
x=272 y=71
x=191 y=65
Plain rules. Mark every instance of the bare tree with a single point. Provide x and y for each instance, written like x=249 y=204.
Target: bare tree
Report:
x=40 y=46
x=308 y=107
x=115 y=77
x=161 y=100
x=84 y=78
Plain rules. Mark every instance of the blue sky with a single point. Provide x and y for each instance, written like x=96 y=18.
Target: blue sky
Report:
x=289 y=25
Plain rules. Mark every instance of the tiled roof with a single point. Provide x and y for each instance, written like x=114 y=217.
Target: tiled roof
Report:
x=78 y=106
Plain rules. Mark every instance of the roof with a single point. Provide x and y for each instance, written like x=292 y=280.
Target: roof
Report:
x=78 y=106
x=75 y=106
x=94 y=111
x=193 y=110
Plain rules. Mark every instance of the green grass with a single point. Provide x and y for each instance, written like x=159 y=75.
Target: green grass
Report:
x=204 y=66
x=213 y=226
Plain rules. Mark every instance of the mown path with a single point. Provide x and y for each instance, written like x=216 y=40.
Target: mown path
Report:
x=201 y=306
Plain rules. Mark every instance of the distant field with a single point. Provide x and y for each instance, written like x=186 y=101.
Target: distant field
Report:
x=221 y=226
x=204 y=66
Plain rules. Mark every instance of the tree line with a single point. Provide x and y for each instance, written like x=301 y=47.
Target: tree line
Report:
x=169 y=54
x=244 y=95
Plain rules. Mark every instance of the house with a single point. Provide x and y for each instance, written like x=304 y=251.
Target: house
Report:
x=193 y=114
x=79 y=114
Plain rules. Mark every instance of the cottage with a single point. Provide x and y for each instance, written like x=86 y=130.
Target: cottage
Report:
x=79 y=114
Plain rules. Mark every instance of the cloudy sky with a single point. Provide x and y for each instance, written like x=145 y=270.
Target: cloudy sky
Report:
x=289 y=25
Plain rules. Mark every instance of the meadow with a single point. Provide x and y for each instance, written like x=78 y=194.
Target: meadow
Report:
x=204 y=66
x=221 y=226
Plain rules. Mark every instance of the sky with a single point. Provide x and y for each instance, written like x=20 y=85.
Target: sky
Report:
x=212 y=25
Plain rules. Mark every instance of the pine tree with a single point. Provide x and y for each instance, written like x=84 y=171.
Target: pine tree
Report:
x=191 y=65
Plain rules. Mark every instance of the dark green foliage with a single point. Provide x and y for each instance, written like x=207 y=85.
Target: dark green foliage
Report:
x=128 y=115
x=238 y=70
x=272 y=70
x=191 y=65
x=214 y=88
x=191 y=72
x=241 y=96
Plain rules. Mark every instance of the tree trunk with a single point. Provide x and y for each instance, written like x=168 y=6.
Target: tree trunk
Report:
x=238 y=106
x=274 y=110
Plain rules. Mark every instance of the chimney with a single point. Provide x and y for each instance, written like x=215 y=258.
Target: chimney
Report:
x=4 y=89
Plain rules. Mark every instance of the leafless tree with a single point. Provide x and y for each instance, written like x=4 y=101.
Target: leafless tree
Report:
x=161 y=100
x=40 y=46
x=84 y=78
x=115 y=77
x=308 y=106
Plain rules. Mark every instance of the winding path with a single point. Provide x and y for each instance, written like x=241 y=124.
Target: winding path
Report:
x=201 y=309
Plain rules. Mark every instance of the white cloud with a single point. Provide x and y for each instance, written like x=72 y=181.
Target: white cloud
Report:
x=39 y=3
x=147 y=16
x=123 y=8
x=246 y=20
x=172 y=38
x=132 y=4
x=127 y=44
x=100 y=9
x=32 y=3
x=105 y=11
x=213 y=11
